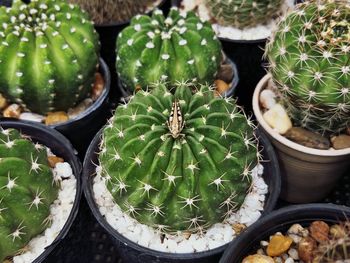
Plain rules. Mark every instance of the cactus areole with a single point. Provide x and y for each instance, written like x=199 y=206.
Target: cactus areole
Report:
x=177 y=48
x=27 y=189
x=48 y=55
x=178 y=161
x=309 y=59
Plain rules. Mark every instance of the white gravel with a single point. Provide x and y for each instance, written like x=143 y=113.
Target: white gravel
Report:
x=60 y=211
x=261 y=31
x=218 y=235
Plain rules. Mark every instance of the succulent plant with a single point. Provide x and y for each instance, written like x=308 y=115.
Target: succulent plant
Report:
x=48 y=54
x=178 y=161
x=177 y=48
x=26 y=191
x=243 y=13
x=107 y=11
x=309 y=57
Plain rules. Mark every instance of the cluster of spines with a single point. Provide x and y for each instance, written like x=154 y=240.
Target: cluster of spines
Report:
x=309 y=59
x=48 y=53
x=141 y=162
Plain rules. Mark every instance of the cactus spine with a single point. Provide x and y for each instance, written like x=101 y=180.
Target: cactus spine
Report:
x=27 y=190
x=177 y=48
x=243 y=13
x=309 y=59
x=48 y=55
x=178 y=161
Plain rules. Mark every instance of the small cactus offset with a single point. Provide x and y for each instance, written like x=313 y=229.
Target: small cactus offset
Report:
x=109 y=11
x=178 y=161
x=309 y=57
x=48 y=55
x=177 y=48
x=243 y=13
x=27 y=189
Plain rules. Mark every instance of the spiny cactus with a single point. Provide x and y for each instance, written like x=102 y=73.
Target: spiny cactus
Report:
x=309 y=59
x=243 y=13
x=48 y=54
x=172 y=49
x=108 y=11
x=27 y=190
x=178 y=162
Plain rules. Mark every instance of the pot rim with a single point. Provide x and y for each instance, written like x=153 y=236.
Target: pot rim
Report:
x=281 y=139
x=29 y=128
x=283 y=217
x=270 y=202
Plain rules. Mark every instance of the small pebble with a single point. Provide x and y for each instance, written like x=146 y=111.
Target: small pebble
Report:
x=305 y=248
x=225 y=73
x=278 y=119
x=56 y=117
x=28 y=116
x=308 y=138
x=98 y=87
x=3 y=102
x=221 y=86
x=258 y=259
x=186 y=234
x=12 y=111
x=289 y=260
x=238 y=228
x=341 y=142
x=53 y=160
x=267 y=99
x=63 y=169
x=293 y=253
x=81 y=107
x=319 y=231
x=278 y=245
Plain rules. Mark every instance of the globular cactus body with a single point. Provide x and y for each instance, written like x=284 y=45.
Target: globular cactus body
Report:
x=178 y=161
x=177 y=48
x=243 y=13
x=309 y=59
x=27 y=189
x=113 y=11
x=48 y=55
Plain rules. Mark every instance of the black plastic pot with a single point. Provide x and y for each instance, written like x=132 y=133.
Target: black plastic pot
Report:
x=280 y=221
x=132 y=252
x=62 y=148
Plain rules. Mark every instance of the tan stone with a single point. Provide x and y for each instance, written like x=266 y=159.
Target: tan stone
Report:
x=56 y=117
x=53 y=160
x=278 y=245
x=258 y=259
x=278 y=119
x=238 y=228
x=305 y=249
x=12 y=111
x=319 y=230
x=3 y=102
x=98 y=87
x=221 y=86
x=341 y=142
x=308 y=138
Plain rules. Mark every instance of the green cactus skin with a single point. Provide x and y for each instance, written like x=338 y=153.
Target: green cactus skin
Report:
x=27 y=190
x=243 y=13
x=187 y=177
x=172 y=49
x=48 y=55
x=309 y=59
x=117 y=11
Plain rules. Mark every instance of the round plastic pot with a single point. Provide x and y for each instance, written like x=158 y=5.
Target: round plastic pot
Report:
x=132 y=252
x=308 y=174
x=125 y=93
x=60 y=146
x=280 y=221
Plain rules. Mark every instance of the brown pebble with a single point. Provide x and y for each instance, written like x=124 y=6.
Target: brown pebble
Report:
x=98 y=87
x=319 y=230
x=225 y=73
x=341 y=142
x=221 y=86
x=56 y=117
x=258 y=259
x=238 y=228
x=305 y=248
x=53 y=160
x=3 y=102
x=12 y=111
x=308 y=138
x=278 y=245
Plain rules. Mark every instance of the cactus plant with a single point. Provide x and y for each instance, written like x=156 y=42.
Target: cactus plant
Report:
x=107 y=11
x=27 y=190
x=243 y=13
x=177 y=48
x=178 y=161
x=48 y=54
x=309 y=57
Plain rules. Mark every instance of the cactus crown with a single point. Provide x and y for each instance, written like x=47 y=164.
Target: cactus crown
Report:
x=309 y=59
x=48 y=54
x=107 y=11
x=27 y=190
x=177 y=48
x=178 y=161
x=243 y=13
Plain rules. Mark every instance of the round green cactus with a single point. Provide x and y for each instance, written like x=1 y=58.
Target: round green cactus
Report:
x=177 y=48
x=243 y=13
x=48 y=55
x=178 y=162
x=117 y=11
x=27 y=189
x=309 y=59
